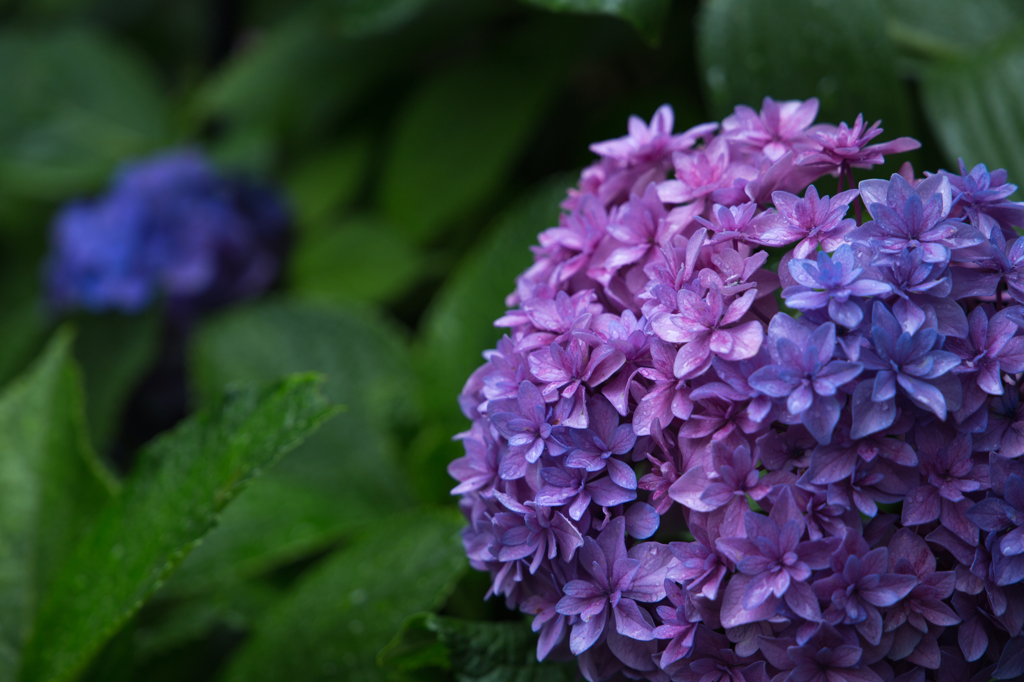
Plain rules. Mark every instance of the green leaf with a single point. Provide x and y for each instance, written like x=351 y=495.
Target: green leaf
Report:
x=181 y=640
x=237 y=607
x=459 y=324
x=358 y=18
x=976 y=107
x=472 y=652
x=648 y=17
x=346 y=474
x=328 y=180
x=181 y=483
x=74 y=105
x=347 y=609
x=23 y=322
x=361 y=259
x=114 y=352
x=298 y=74
x=950 y=28
x=458 y=138
x=794 y=49
x=51 y=487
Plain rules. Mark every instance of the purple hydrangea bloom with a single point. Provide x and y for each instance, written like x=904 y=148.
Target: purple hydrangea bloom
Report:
x=773 y=563
x=984 y=197
x=908 y=217
x=949 y=470
x=477 y=471
x=838 y=459
x=1004 y=509
x=532 y=530
x=678 y=624
x=811 y=221
x=989 y=350
x=668 y=397
x=700 y=566
x=715 y=661
x=706 y=328
x=913 y=617
x=909 y=360
x=860 y=585
x=616 y=581
x=780 y=127
x=925 y=290
x=566 y=370
x=170 y=226
x=552 y=626
x=650 y=142
x=723 y=484
x=805 y=374
x=1004 y=430
x=578 y=488
x=526 y=426
x=637 y=230
x=827 y=657
x=831 y=281
x=847 y=147
x=683 y=484
x=742 y=223
x=702 y=175
x=593 y=447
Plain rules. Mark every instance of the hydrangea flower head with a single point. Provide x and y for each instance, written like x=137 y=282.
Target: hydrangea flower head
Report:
x=684 y=483
x=171 y=227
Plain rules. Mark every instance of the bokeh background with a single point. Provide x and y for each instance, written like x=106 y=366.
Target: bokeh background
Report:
x=417 y=147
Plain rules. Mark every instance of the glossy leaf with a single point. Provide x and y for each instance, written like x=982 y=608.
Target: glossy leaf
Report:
x=456 y=141
x=346 y=474
x=975 y=107
x=75 y=105
x=299 y=71
x=51 y=488
x=950 y=28
x=647 y=16
x=795 y=49
x=362 y=259
x=23 y=322
x=236 y=608
x=180 y=485
x=115 y=351
x=347 y=609
x=358 y=18
x=328 y=181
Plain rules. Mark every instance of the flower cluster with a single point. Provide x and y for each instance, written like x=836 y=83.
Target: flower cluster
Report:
x=681 y=481
x=169 y=227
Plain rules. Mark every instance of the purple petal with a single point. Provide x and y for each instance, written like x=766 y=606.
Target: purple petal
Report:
x=922 y=505
x=642 y=520
x=733 y=613
x=606 y=493
x=973 y=639
x=821 y=418
x=621 y=473
x=801 y=599
x=923 y=394
x=774 y=380
x=630 y=621
x=746 y=341
x=586 y=633
x=868 y=416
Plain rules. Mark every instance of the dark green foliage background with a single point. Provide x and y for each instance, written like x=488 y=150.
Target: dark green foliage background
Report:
x=422 y=145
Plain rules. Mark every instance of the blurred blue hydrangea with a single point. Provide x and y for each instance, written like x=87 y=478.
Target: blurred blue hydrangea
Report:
x=170 y=227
